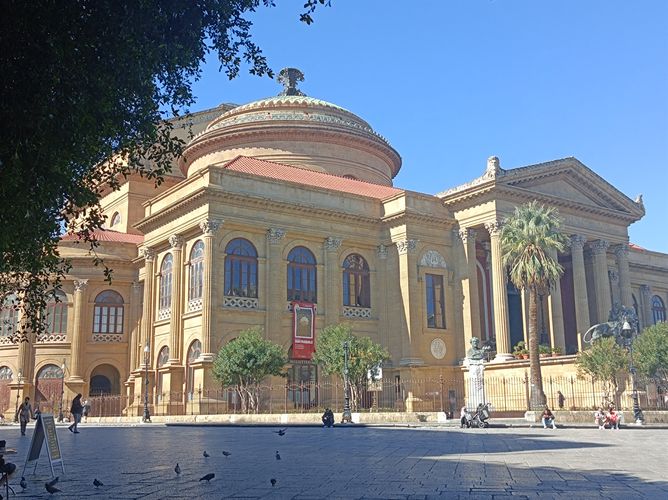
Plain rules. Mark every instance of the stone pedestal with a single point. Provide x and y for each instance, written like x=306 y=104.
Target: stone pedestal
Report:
x=475 y=394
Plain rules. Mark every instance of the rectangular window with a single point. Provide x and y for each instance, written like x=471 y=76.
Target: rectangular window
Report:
x=435 y=301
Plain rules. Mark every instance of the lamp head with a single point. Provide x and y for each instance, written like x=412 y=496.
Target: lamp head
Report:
x=147 y=349
x=627 y=329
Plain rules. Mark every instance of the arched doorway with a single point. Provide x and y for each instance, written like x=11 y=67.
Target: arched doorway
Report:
x=49 y=385
x=6 y=376
x=105 y=397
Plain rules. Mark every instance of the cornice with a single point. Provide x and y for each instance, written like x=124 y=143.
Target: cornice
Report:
x=154 y=221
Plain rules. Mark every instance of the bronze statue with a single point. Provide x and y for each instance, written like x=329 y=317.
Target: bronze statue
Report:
x=476 y=353
x=619 y=315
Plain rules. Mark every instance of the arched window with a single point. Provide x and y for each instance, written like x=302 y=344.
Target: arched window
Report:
x=163 y=358
x=165 y=300
x=8 y=316
x=49 y=388
x=108 y=313
x=6 y=373
x=196 y=271
x=115 y=219
x=302 y=275
x=658 y=309
x=194 y=352
x=356 y=282
x=56 y=313
x=240 y=269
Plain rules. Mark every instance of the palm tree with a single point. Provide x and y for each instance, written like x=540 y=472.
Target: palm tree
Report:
x=529 y=239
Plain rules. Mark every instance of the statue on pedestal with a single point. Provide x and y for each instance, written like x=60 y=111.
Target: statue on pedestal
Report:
x=475 y=362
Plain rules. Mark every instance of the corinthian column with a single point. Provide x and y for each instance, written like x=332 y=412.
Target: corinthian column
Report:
x=209 y=227
x=175 y=322
x=333 y=280
x=147 y=315
x=599 y=251
x=556 y=312
x=77 y=332
x=499 y=292
x=579 y=284
x=622 y=255
x=470 y=287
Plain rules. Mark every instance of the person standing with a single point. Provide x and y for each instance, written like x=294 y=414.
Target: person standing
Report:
x=86 y=410
x=24 y=414
x=560 y=399
x=76 y=410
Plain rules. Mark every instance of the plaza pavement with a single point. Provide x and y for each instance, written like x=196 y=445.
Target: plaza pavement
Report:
x=352 y=462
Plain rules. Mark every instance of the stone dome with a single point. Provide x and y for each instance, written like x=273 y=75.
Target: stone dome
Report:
x=298 y=130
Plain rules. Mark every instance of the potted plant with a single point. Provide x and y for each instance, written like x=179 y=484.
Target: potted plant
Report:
x=556 y=351
x=544 y=350
x=519 y=350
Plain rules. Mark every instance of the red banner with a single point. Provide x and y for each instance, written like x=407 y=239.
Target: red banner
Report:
x=303 y=330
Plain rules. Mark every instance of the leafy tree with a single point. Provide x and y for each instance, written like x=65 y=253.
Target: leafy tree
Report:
x=603 y=362
x=85 y=91
x=529 y=239
x=650 y=354
x=245 y=362
x=363 y=355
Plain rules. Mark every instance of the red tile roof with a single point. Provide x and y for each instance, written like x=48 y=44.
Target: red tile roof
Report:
x=108 y=235
x=280 y=171
x=633 y=246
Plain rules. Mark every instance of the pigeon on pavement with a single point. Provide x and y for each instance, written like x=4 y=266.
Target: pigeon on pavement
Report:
x=205 y=454
x=281 y=432
x=97 y=483
x=53 y=481
x=208 y=477
x=51 y=489
x=226 y=453
x=272 y=481
x=278 y=456
x=23 y=483
x=177 y=469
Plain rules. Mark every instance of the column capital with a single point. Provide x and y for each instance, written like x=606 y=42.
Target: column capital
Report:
x=176 y=241
x=80 y=285
x=148 y=253
x=136 y=286
x=599 y=247
x=577 y=241
x=275 y=235
x=382 y=251
x=210 y=226
x=621 y=250
x=332 y=244
x=466 y=234
x=494 y=227
x=645 y=290
x=407 y=246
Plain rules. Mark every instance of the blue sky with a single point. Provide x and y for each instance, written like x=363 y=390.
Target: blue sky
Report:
x=450 y=83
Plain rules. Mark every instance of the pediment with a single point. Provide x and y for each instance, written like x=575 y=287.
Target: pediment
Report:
x=566 y=190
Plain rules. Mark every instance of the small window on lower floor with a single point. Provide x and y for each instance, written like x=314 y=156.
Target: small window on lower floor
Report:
x=435 y=301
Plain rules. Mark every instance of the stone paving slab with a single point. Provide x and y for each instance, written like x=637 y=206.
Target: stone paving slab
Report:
x=351 y=463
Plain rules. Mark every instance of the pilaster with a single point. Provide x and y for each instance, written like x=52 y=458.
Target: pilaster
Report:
x=277 y=298
x=78 y=340
x=149 y=310
x=410 y=294
x=176 y=318
x=209 y=229
x=333 y=280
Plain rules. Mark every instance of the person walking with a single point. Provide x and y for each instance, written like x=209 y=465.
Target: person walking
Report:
x=76 y=410
x=560 y=399
x=86 y=410
x=24 y=414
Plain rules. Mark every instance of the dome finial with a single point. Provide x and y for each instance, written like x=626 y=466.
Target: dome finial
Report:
x=289 y=77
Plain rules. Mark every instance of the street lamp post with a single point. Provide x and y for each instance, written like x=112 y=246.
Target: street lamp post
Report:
x=347 y=416
x=62 y=392
x=629 y=333
x=18 y=394
x=147 y=416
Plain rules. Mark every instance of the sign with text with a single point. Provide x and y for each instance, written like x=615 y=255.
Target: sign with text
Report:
x=303 y=330
x=45 y=431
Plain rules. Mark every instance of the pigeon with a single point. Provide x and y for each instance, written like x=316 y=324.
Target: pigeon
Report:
x=51 y=489
x=97 y=483
x=53 y=481
x=226 y=453
x=272 y=481
x=208 y=477
x=205 y=454
x=281 y=432
x=177 y=469
x=23 y=483
x=278 y=456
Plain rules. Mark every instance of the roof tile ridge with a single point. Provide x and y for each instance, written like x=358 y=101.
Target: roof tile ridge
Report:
x=309 y=170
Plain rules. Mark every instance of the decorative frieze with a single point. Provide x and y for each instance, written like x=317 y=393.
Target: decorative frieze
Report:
x=407 y=246
x=51 y=337
x=108 y=337
x=164 y=314
x=80 y=285
x=210 y=226
x=357 y=312
x=275 y=235
x=332 y=244
x=241 y=302
x=382 y=251
x=194 y=305
x=432 y=258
